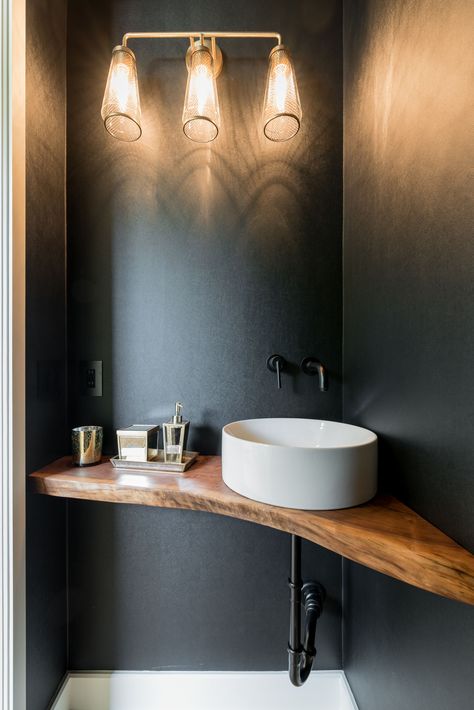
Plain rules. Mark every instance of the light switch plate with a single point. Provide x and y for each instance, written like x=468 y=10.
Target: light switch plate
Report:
x=90 y=373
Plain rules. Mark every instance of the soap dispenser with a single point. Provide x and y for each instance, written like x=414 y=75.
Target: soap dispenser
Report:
x=174 y=436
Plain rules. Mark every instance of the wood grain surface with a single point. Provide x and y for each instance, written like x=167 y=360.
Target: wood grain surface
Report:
x=383 y=534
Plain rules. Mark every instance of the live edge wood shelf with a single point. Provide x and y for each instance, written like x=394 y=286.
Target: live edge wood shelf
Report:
x=383 y=534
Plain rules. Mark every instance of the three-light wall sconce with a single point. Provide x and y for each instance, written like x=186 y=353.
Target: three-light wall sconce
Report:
x=121 y=112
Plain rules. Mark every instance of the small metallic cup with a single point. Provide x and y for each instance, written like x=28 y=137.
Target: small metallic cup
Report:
x=87 y=445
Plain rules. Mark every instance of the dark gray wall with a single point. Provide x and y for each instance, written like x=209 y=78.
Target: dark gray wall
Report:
x=404 y=647
x=45 y=342
x=188 y=266
x=162 y=589
x=408 y=327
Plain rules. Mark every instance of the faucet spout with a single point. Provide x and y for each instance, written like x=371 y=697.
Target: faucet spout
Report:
x=312 y=366
x=323 y=378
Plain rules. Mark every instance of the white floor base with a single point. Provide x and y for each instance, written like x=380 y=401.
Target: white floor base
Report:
x=123 y=690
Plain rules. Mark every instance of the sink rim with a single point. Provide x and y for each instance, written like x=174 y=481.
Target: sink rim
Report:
x=373 y=438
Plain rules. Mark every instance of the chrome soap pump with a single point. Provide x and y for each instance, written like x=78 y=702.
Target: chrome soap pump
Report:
x=174 y=436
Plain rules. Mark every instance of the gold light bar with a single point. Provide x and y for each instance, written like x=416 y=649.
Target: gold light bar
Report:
x=198 y=35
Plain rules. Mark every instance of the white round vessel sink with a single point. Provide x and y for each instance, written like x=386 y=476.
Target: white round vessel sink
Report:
x=309 y=464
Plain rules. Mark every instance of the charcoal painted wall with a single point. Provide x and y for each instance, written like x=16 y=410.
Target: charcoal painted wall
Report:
x=188 y=266
x=46 y=342
x=408 y=327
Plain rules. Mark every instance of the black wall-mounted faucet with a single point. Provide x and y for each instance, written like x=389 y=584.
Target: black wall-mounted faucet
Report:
x=276 y=363
x=312 y=366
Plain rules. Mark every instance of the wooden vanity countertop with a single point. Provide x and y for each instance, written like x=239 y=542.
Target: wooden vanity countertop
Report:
x=383 y=534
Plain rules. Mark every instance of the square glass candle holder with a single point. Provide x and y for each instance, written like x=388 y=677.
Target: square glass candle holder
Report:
x=137 y=442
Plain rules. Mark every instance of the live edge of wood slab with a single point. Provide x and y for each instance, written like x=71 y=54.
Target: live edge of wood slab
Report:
x=383 y=534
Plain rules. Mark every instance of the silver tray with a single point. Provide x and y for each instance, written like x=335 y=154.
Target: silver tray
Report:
x=157 y=463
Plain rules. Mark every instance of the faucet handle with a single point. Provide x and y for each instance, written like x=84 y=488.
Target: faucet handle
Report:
x=312 y=366
x=276 y=363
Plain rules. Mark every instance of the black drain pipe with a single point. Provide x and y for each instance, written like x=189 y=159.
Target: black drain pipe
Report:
x=311 y=595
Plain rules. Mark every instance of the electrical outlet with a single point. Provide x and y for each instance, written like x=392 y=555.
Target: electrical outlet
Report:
x=90 y=373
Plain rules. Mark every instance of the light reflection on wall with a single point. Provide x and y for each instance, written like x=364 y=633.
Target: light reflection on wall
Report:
x=413 y=72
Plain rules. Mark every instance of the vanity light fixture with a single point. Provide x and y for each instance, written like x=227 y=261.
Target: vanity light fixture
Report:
x=201 y=116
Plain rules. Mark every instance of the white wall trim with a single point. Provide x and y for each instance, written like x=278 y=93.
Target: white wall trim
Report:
x=12 y=354
x=126 y=690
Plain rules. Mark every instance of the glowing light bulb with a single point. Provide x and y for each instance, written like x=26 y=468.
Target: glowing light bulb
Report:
x=281 y=106
x=201 y=116
x=281 y=85
x=121 y=105
x=120 y=86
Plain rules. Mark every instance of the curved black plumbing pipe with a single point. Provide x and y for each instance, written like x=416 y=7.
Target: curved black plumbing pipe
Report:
x=311 y=595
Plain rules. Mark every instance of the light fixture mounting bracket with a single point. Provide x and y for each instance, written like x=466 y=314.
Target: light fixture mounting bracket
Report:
x=214 y=49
